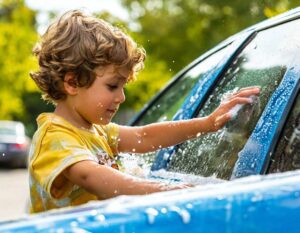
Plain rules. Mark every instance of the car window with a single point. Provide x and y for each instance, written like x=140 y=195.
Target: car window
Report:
x=263 y=63
x=8 y=131
x=168 y=104
x=287 y=153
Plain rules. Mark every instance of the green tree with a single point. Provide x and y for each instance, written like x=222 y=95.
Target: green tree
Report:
x=17 y=37
x=178 y=31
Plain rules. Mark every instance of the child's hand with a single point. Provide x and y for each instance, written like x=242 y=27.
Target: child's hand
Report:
x=222 y=114
x=180 y=186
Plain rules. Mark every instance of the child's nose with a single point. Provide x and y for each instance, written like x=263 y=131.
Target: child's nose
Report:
x=121 y=97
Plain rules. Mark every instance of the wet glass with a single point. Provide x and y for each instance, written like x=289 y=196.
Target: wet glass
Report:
x=263 y=63
x=287 y=153
x=169 y=102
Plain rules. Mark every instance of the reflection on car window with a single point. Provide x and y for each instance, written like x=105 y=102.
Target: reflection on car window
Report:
x=287 y=153
x=262 y=63
x=168 y=104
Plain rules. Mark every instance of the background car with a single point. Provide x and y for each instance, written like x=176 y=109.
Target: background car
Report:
x=14 y=144
x=262 y=138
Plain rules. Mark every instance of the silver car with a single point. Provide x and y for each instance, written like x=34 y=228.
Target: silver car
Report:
x=14 y=144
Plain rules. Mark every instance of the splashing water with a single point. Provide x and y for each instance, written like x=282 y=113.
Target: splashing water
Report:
x=134 y=165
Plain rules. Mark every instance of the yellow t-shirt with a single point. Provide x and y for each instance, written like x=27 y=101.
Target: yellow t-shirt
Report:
x=56 y=145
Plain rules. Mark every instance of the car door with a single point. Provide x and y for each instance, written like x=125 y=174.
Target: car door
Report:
x=174 y=101
x=242 y=146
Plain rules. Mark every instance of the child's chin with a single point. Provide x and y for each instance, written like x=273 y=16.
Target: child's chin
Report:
x=103 y=121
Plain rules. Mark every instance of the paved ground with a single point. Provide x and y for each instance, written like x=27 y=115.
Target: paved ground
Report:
x=14 y=193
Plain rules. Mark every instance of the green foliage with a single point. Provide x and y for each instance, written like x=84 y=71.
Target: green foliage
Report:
x=178 y=31
x=17 y=37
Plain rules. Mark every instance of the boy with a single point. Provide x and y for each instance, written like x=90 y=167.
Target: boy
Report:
x=84 y=65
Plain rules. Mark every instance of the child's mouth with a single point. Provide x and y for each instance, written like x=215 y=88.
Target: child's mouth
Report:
x=112 y=111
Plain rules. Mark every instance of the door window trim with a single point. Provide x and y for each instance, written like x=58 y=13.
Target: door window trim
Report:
x=252 y=160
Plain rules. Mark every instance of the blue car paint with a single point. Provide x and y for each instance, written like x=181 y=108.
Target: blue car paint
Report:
x=253 y=157
x=201 y=90
x=251 y=204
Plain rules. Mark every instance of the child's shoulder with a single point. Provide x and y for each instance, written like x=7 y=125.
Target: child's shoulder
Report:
x=52 y=124
x=51 y=120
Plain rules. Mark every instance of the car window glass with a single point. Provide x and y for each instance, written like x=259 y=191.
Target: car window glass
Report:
x=262 y=63
x=168 y=104
x=287 y=153
x=7 y=131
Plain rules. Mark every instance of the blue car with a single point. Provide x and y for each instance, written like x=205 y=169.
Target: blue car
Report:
x=253 y=159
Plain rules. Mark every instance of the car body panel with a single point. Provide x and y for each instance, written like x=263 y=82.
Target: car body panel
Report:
x=251 y=204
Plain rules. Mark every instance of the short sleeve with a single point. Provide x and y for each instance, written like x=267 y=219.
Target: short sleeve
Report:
x=58 y=150
x=112 y=132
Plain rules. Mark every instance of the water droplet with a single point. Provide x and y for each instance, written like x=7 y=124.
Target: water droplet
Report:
x=94 y=212
x=133 y=150
x=100 y=217
x=74 y=224
x=184 y=214
x=139 y=141
x=164 y=210
x=3 y=154
x=189 y=206
x=165 y=156
x=81 y=219
x=60 y=230
x=151 y=213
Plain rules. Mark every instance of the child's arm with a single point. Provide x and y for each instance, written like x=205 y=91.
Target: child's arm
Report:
x=159 y=135
x=106 y=182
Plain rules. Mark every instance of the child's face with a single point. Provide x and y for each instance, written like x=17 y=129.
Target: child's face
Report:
x=99 y=103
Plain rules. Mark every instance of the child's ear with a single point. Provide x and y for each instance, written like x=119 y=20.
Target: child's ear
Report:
x=70 y=84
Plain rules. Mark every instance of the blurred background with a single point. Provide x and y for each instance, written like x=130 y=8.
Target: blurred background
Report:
x=173 y=32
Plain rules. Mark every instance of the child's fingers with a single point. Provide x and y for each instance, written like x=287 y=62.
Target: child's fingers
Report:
x=247 y=88
x=246 y=92
x=237 y=100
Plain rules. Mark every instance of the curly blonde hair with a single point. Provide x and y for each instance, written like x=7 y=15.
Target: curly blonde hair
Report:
x=79 y=43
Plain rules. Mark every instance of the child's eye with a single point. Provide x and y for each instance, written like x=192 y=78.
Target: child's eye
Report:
x=112 y=87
